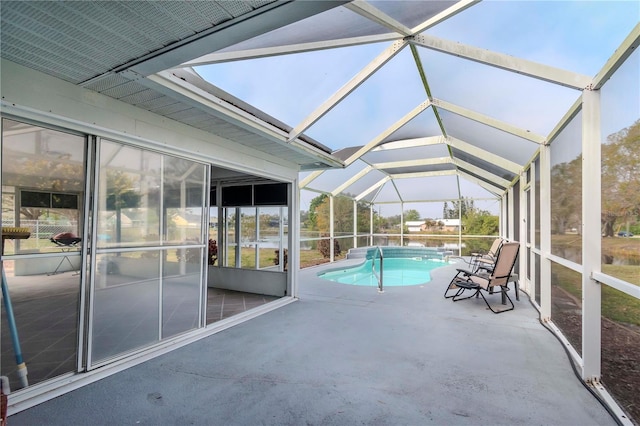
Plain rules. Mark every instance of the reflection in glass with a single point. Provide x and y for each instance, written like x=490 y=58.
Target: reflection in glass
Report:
x=566 y=303
x=45 y=310
x=566 y=192
x=42 y=185
x=183 y=183
x=128 y=196
x=181 y=291
x=125 y=303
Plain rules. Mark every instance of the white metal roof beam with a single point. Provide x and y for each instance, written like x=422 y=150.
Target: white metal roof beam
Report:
x=565 y=120
x=484 y=155
x=170 y=85
x=424 y=174
x=493 y=189
x=489 y=121
x=351 y=181
x=352 y=85
x=410 y=143
x=628 y=46
x=310 y=178
x=505 y=62
x=214 y=58
x=413 y=163
x=372 y=188
x=366 y=10
x=398 y=124
x=482 y=173
x=444 y=15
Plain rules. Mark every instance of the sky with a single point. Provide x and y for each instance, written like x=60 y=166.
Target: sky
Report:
x=574 y=35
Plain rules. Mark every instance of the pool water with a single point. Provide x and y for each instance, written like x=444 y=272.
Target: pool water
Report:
x=397 y=272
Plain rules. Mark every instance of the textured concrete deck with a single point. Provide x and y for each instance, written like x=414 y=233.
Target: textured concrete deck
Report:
x=346 y=355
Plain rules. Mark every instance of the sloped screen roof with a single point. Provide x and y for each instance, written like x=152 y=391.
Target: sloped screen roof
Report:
x=427 y=94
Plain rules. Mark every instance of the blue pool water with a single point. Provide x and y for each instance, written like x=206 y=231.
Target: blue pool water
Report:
x=397 y=272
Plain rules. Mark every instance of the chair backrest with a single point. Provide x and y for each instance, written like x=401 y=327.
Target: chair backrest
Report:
x=504 y=263
x=495 y=247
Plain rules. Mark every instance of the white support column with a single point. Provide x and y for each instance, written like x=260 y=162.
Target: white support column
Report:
x=331 y=236
x=533 y=218
x=591 y=235
x=545 y=231
x=460 y=227
x=524 y=237
x=511 y=231
x=401 y=224
x=355 y=223
x=371 y=224
x=294 y=238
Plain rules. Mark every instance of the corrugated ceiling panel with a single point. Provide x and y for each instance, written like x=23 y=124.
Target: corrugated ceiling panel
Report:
x=123 y=90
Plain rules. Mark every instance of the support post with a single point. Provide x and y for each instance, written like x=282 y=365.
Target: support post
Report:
x=545 y=231
x=591 y=235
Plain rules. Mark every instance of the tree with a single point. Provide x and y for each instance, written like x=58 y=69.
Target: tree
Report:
x=566 y=195
x=459 y=207
x=312 y=215
x=343 y=214
x=411 y=215
x=621 y=179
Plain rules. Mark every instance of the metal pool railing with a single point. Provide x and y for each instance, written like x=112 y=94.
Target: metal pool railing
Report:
x=373 y=268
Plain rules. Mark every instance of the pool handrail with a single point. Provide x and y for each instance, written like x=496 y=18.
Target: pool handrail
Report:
x=373 y=268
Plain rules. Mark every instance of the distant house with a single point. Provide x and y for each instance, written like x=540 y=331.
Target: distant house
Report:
x=446 y=225
x=415 y=225
x=449 y=225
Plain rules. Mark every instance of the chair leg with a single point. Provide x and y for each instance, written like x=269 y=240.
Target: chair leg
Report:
x=451 y=287
x=457 y=298
x=504 y=296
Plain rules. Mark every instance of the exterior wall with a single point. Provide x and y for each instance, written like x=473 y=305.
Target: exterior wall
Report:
x=30 y=94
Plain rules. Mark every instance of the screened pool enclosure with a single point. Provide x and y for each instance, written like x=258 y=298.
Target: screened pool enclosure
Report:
x=441 y=124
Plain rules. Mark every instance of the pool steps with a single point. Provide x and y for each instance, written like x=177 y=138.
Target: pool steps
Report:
x=435 y=253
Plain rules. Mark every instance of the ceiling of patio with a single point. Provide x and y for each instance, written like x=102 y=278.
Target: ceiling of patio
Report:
x=403 y=100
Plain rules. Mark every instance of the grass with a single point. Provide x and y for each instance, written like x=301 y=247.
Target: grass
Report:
x=616 y=305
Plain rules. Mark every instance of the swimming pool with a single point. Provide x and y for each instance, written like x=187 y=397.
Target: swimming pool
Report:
x=402 y=267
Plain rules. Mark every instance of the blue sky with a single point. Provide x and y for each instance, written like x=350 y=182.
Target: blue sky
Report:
x=574 y=35
x=579 y=36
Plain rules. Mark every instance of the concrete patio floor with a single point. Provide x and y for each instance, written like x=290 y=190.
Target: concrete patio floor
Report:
x=345 y=355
